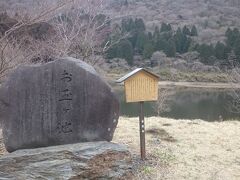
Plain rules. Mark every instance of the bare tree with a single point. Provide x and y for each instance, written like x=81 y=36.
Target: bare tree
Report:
x=164 y=98
x=79 y=29
x=234 y=80
x=83 y=28
x=16 y=46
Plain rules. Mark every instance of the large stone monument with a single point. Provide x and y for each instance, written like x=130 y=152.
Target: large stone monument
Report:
x=61 y=102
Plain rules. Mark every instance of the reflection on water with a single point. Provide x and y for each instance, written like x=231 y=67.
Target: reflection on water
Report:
x=187 y=103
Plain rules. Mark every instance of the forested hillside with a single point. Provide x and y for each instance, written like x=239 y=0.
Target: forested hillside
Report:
x=172 y=42
x=212 y=17
x=187 y=34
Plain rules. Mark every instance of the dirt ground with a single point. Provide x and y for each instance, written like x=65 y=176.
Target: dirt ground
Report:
x=182 y=149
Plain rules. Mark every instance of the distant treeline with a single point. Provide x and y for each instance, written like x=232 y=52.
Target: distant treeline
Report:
x=223 y=52
x=170 y=41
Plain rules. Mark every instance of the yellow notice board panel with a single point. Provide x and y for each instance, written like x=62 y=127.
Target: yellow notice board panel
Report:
x=142 y=86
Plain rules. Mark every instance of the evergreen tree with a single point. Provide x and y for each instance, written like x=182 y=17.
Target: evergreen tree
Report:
x=166 y=35
x=112 y=52
x=160 y=44
x=182 y=42
x=220 y=51
x=229 y=30
x=139 y=24
x=162 y=41
x=186 y=44
x=156 y=33
x=194 y=31
x=236 y=32
x=125 y=51
x=186 y=31
x=114 y=37
x=133 y=39
x=169 y=27
x=232 y=36
x=128 y=25
x=148 y=50
x=206 y=52
x=170 y=48
x=233 y=41
x=236 y=49
x=165 y=27
x=141 y=41
x=131 y=25
x=124 y=25
x=178 y=40
x=150 y=36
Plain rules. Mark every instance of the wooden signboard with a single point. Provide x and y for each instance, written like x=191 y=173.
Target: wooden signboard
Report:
x=140 y=85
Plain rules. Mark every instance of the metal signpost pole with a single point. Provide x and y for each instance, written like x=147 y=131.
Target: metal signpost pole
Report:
x=142 y=131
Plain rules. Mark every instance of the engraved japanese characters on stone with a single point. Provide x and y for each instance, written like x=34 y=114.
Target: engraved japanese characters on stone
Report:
x=61 y=102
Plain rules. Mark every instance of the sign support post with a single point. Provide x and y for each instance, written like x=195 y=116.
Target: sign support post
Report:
x=140 y=86
x=142 y=131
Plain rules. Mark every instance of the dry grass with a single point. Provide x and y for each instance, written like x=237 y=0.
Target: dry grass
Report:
x=2 y=148
x=182 y=149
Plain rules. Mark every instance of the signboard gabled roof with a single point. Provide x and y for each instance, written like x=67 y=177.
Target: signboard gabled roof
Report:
x=135 y=72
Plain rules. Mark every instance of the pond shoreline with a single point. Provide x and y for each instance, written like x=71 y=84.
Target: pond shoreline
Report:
x=184 y=100
x=207 y=85
x=200 y=85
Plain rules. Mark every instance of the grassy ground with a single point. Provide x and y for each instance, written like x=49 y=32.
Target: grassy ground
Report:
x=182 y=149
x=167 y=75
x=2 y=149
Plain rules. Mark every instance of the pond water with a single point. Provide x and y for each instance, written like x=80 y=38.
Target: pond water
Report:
x=186 y=103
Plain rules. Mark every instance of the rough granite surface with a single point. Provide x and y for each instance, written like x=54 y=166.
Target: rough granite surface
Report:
x=61 y=102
